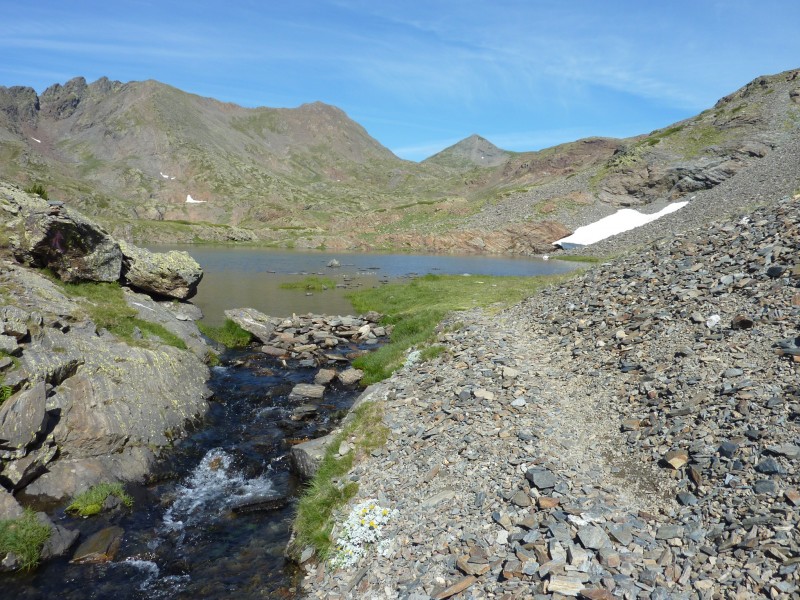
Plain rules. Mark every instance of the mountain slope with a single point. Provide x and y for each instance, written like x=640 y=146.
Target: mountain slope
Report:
x=132 y=153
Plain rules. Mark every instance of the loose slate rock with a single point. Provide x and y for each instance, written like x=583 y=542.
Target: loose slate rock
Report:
x=593 y=537
x=543 y=479
x=101 y=547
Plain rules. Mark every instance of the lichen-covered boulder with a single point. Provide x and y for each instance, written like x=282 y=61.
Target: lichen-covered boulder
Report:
x=22 y=418
x=43 y=234
x=171 y=274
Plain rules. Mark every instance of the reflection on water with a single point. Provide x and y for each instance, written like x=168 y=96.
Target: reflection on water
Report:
x=236 y=277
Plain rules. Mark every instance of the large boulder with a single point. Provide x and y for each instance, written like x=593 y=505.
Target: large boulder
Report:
x=170 y=274
x=43 y=234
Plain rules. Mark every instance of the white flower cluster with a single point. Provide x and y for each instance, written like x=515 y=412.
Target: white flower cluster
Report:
x=364 y=526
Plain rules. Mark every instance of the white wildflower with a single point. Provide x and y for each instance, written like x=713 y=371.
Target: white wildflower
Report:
x=362 y=528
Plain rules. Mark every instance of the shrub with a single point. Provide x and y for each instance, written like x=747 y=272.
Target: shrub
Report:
x=37 y=189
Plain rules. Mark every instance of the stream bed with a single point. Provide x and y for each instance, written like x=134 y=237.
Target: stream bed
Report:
x=197 y=528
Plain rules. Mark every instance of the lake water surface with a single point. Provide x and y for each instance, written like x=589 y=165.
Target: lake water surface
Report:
x=236 y=277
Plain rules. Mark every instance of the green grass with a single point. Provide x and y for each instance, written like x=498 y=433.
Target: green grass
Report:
x=416 y=308
x=431 y=352
x=91 y=501
x=580 y=259
x=229 y=335
x=310 y=283
x=24 y=537
x=325 y=493
x=106 y=307
x=5 y=391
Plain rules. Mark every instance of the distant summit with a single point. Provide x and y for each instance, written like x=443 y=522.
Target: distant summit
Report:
x=469 y=152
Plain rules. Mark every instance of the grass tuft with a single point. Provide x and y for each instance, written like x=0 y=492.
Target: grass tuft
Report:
x=91 y=501
x=24 y=537
x=310 y=283
x=416 y=308
x=326 y=493
x=229 y=335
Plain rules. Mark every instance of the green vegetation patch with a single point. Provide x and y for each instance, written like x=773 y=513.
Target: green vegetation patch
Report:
x=106 y=306
x=310 y=283
x=5 y=391
x=416 y=308
x=24 y=537
x=580 y=259
x=327 y=492
x=37 y=189
x=229 y=335
x=91 y=501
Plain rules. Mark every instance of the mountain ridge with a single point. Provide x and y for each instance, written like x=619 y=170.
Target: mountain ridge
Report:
x=131 y=153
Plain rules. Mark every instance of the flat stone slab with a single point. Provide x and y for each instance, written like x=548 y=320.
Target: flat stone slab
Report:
x=307 y=390
x=324 y=376
x=101 y=547
x=350 y=376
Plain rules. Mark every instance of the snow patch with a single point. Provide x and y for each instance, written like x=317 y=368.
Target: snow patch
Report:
x=622 y=220
x=37 y=141
x=190 y=200
x=164 y=175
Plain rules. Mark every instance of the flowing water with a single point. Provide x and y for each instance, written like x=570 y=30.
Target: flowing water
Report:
x=197 y=529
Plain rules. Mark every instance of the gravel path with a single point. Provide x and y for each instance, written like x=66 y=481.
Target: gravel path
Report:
x=632 y=434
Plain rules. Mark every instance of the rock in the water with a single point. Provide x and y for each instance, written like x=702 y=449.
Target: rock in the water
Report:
x=350 y=376
x=307 y=390
x=170 y=274
x=254 y=322
x=324 y=376
x=101 y=547
x=59 y=542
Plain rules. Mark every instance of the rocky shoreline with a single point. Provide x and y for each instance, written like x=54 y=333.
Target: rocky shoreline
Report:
x=81 y=405
x=632 y=433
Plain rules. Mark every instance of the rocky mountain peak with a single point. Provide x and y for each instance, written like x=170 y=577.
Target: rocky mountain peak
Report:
x=473 y=151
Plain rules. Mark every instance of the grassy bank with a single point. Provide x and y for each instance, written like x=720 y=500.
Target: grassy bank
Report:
x=327 y=491
x=105 y=305
x=416 y=308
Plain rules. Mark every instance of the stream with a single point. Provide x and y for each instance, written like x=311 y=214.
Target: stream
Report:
x=191 y=532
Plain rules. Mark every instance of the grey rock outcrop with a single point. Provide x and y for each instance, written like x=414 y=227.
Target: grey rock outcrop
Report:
x=87 y=406
x=22 y=418
x=171 y=274
x=41 y=234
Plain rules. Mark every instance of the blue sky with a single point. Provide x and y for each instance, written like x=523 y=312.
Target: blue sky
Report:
x=421 y=75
